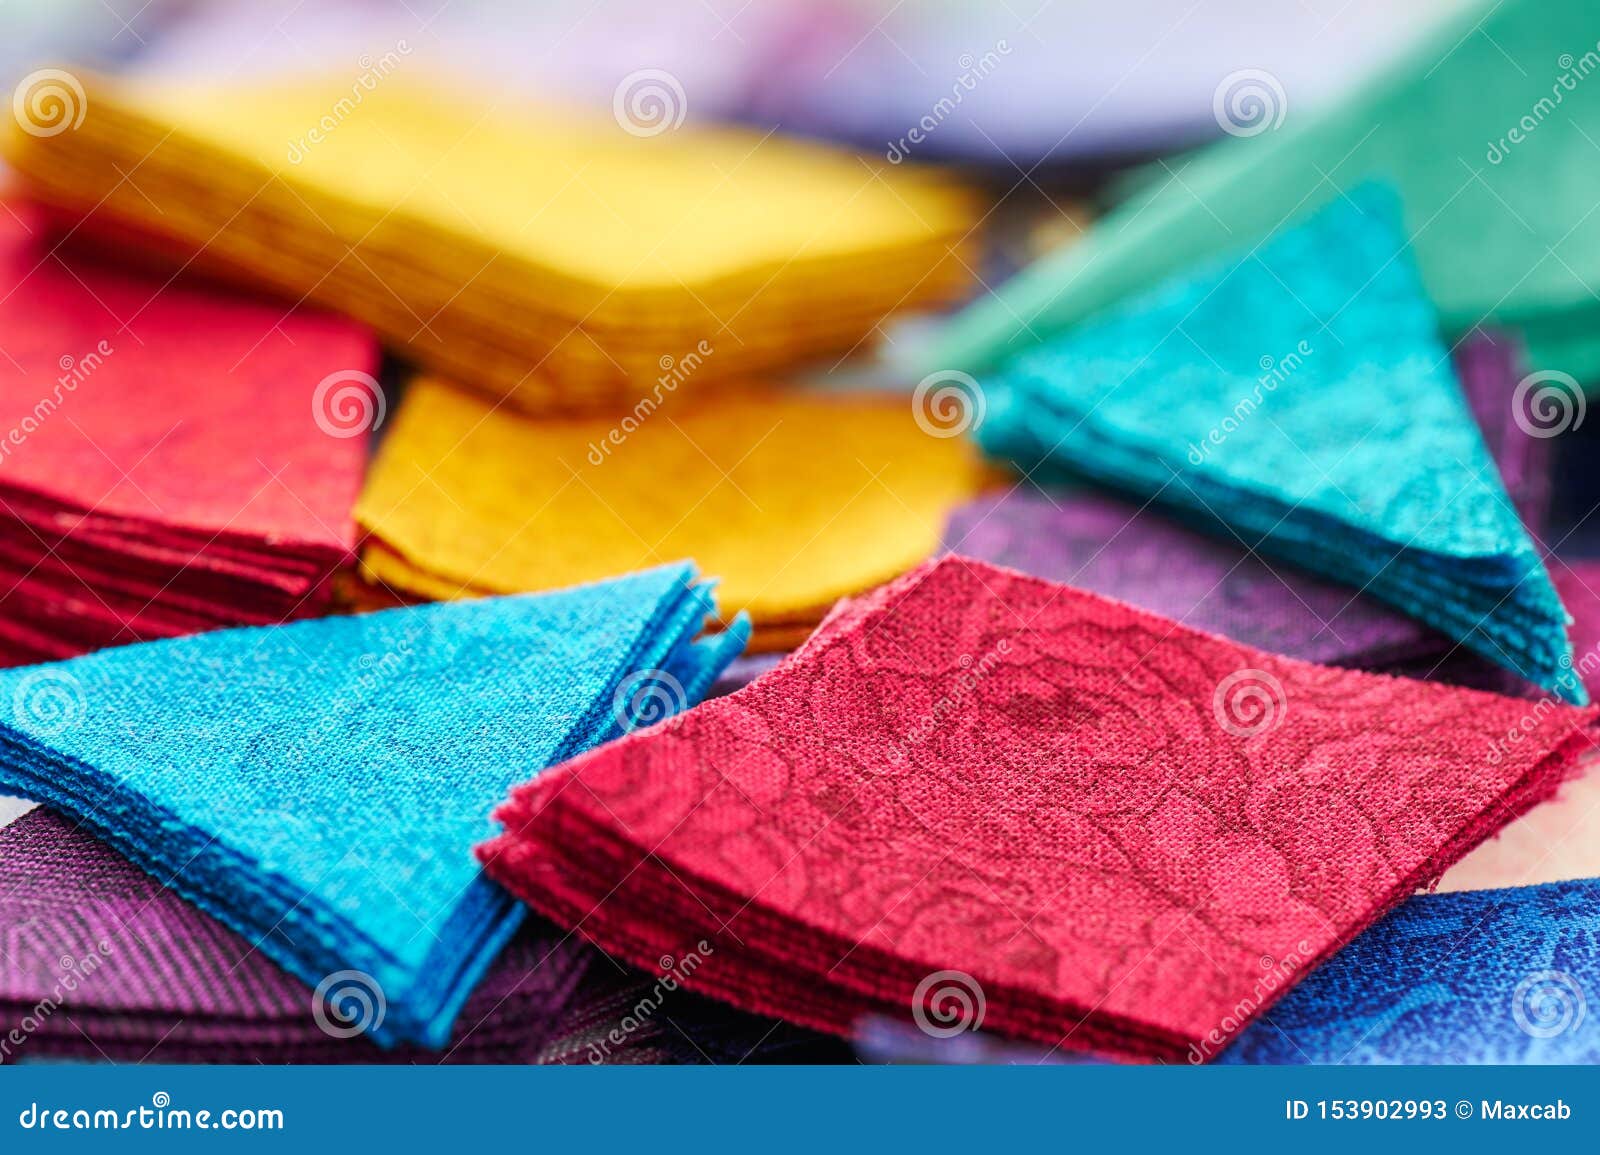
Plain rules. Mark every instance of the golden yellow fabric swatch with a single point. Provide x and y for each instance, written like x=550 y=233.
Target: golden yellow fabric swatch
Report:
x=792 y=500
x=552 y=259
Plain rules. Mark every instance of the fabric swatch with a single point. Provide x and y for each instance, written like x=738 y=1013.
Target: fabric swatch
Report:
x=1494 y=976
x=1096 y=821
x=336 y=773
x=1559 y=841
x=153 y=484
x=1102 y=542
x=1297 y=400
x=1486 y=131
x=620 y=1016
x=101 y=961
x=793 y=500
x=556 y=259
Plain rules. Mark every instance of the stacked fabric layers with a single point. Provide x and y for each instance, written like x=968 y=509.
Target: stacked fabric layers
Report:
x=793 y=500
x=1297 y=400
x=100 y=961
x=554 y=260
x=319 y=786
x=1075 y=821
x=624 y=1017
x=1494 y=976
x=152 y=483
x=1486 y=130
x=1101 y=542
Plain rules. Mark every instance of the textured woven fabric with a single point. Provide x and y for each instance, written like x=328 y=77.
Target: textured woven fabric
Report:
x=1496 y=976
x=1105 y=543
x=1560 y=840
x=319 y=786
x=791 y=500
x=620 y=1016
x=1100 y=819
x=101 y=961
x=1298 y=399
x=153 y=484
x=1486 y=130
x=551 y=258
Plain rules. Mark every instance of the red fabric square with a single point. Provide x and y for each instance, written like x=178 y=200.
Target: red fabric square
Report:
x=172 y=458
x=973 y=790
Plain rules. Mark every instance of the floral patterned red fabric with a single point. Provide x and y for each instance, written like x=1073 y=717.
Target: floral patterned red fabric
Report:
x=980 y=798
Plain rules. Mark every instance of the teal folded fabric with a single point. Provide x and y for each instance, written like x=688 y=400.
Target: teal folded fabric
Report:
x=319 y=786
x=1297 y=398
x=1488 y=130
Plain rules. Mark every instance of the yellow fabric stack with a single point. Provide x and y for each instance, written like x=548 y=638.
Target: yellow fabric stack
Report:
x=791 y=499
x=551 y=259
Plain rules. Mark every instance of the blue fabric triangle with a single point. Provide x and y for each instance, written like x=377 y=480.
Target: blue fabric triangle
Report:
x=1488 y=976
x=1297 y=397
x=320 y=786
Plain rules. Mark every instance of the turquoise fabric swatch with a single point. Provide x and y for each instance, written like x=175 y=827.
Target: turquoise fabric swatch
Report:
x=1488 y=131
x=319 y=786
x=1297 y=398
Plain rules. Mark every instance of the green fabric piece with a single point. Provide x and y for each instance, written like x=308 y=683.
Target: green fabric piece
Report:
x=1490 y=131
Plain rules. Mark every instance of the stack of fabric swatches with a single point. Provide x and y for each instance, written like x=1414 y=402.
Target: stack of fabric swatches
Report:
x=335 y=774
x=1488 y=976
x=1102 y=821
x=1298 y=399
x=555 y=260
x=792 y=500
x=153 y=483
x=1140 y=554
x=579 y=567
x=101 y=961
x=1487 y=131
x=1495 y=976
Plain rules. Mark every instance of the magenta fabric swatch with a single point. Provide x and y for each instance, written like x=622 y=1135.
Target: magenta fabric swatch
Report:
x=100 y=961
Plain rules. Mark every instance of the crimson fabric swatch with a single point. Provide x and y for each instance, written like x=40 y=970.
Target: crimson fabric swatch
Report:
x=100 y=960
x=1106 y=831
x=171 y=460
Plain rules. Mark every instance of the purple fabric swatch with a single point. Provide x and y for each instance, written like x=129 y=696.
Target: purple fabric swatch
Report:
x=621 y=1017
x=98 y=960
x=1113 y=546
